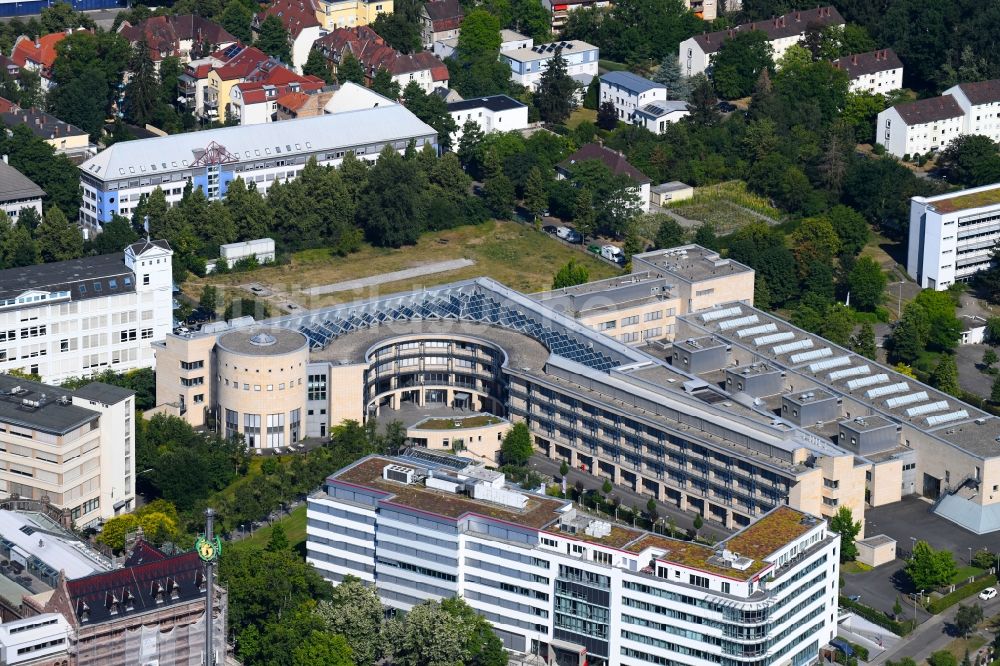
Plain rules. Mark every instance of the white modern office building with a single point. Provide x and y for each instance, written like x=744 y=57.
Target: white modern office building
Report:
x=79 y=317
x=528 y=64
x=40 y=639
x=114 y=180
x=630 y=92
x=74 y=449
x=496 y=113
x=569 y=587
x=952 y=235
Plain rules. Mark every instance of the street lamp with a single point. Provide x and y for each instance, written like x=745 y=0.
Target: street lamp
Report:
x=899 y=303
x=970 y=555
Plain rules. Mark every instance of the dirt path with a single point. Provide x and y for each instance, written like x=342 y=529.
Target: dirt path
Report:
x=385 y=278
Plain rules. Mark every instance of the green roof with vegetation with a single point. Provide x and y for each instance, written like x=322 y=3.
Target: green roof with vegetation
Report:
x=965 y=201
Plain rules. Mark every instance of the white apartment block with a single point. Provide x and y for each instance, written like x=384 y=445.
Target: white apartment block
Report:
x=39 y=639
x=917 y=128
x=873 y=72
x=74 y=448
x=695 y=54
x=79 y=317
x=566 y=586
x=952 y=236
x=528 y=64
x=980 y=102
x=497 y=113
x=18 y=192
x=629 y=92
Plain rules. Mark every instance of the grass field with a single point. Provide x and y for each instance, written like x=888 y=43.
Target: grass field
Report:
x=728 y=206
x=514 y=254
x=295 y=530
x=581 y=115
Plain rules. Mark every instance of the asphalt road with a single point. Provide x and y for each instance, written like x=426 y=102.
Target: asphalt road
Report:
x=628 y=497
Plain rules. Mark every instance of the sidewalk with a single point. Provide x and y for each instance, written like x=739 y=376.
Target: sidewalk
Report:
x=932 y=635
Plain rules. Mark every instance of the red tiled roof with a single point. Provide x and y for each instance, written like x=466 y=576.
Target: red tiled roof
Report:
x=163 y=34
x=257 y=92
x=243 y=64
x=6 y=105
x=374 y=54
x=295 y=15
x=41 y=52
x=612 y=159
x=292 y=101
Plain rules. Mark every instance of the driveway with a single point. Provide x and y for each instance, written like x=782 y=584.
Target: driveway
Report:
x=879 y=588
x=911 y=519
x=967 y=358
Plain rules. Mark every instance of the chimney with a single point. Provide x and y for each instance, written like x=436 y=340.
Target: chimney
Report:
x=798 y=17
x=855 y=59
x=5 y=159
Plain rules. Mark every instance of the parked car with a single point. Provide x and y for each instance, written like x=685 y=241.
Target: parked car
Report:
x=563 y=232
x=613 y=253
x=725 y=107
x=549 y=228
x=574 y=237
x=595 y=249
x=988 y=593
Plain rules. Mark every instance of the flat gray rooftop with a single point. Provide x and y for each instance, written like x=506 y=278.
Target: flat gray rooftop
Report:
x=54 y=412
x=262 y=341
x=691 y=263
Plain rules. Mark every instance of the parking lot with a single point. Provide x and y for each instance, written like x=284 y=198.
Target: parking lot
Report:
x=911 y=520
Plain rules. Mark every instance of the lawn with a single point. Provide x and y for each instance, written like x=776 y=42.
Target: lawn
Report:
x=965 y=573
x=515 y=254
x=854 y=567
x=959 y=646
x=454 y=424
x=295 y=530
x=581 y=115
x=728 y=206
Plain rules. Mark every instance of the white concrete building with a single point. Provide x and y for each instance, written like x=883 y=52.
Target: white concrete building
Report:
x=695 y=53
x=874 y=72
x=917 y=128
x=569 y=587
x=952 y=236
x=629 y=92
x=78 y=317
x=18 y=192
x=262 y=249
x=980 y=102
x=497 y=113
x=509 y=41
x=528 y=64
x=37 y=639
x=657 y=116
x=76 y=448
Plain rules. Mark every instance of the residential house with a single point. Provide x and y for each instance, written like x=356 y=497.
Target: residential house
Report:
x=695 y=54
x=66 y=139
x=509 y=41
x=374 y=54
x=256 y=101
x=439 y=19
x=300 y=20
x=917 y=128
x=528 y=64
x=874 y=72
x=616 y=163
x=18 y=192
x=707 y=10
x=151 y=611
x=38 y=55
x=657 y=116
x=497 y=113
x=629 y=92
x=350 y=13
x=560 y=9
x=980 y=103
x=177 y=36
x=293 y=105
x=246 y=64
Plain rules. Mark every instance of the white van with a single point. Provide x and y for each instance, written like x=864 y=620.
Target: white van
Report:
x=613 y=253
x=563 y=232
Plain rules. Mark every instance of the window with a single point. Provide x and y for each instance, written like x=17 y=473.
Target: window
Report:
x=193 y=381
x=607 y=325
x=145 y=280
x=705 y=292
x=830 y=501
x=653 y=316
x=127 y=335
x=698 y=581
x=192 y=365
x=630 y=321
x=251 y=429
x=232 y=423
x=147 y=333
x=275 y=430
x=316 y=389
x=725 y=588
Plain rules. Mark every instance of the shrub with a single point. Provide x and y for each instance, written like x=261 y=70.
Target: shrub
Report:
x=878 y=617
x=964 y=592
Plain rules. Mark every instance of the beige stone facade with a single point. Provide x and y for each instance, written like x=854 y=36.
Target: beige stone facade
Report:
x=478 y=436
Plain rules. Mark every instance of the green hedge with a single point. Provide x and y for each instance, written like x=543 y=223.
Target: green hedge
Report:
x=961 y=593
x=860 y=650
x=878 y=617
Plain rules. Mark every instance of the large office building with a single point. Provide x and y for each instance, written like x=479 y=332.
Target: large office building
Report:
x=74 y=449
x=114 y=180
x=79 y=317
x=952 y=235
x=566 y=586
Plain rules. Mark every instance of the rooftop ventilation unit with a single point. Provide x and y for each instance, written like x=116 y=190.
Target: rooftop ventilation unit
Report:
x=792 y=346
x=938 y=419
x=715 y=315
x=811 y=355
x=928 y=408
x=909 y=399
x=398 y=473
x=850 y=372
x=871 y=380
x=829 y=363
x=756 y=330
x=736 y=323
x=776 y=337
x=887 y=390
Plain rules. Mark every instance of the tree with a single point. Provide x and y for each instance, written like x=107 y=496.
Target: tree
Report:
x=814 y=241
x=850 y=227
x=866 y=282
x=246 y=307
x=897 y=609
x=910 y=336
x=517 y=448
x=475 y=69
x=251 y=215
x=944 y=377
x=272 y=39
x=989 y=359
x=863 y=342
x=446 y=632
x=355 y=612
x=316 y=65
x=945 y=327
x=498 y=194
x=669 y=234
x=583 y=212
x=58 y=240
x=970 y=160
x=142 y=94
x=278 y=540
x=942 y=658
x=571 y=274
x=699 y=522
x=398 y=29
x=116 y=529
x=555 y=94
x=607 y=116
x=236 y=19
x=702 y=110
x=739 y=62
x=383 y=84
x=431 y=109
x=592 y=97
x=394 y=210
x=17 y=247
x=929 y=568
x=995 y=391
x=606 y=487
x=563 y=468
x=669 y=75
x=967 y=617
x=536 y=197
x=844 y=524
